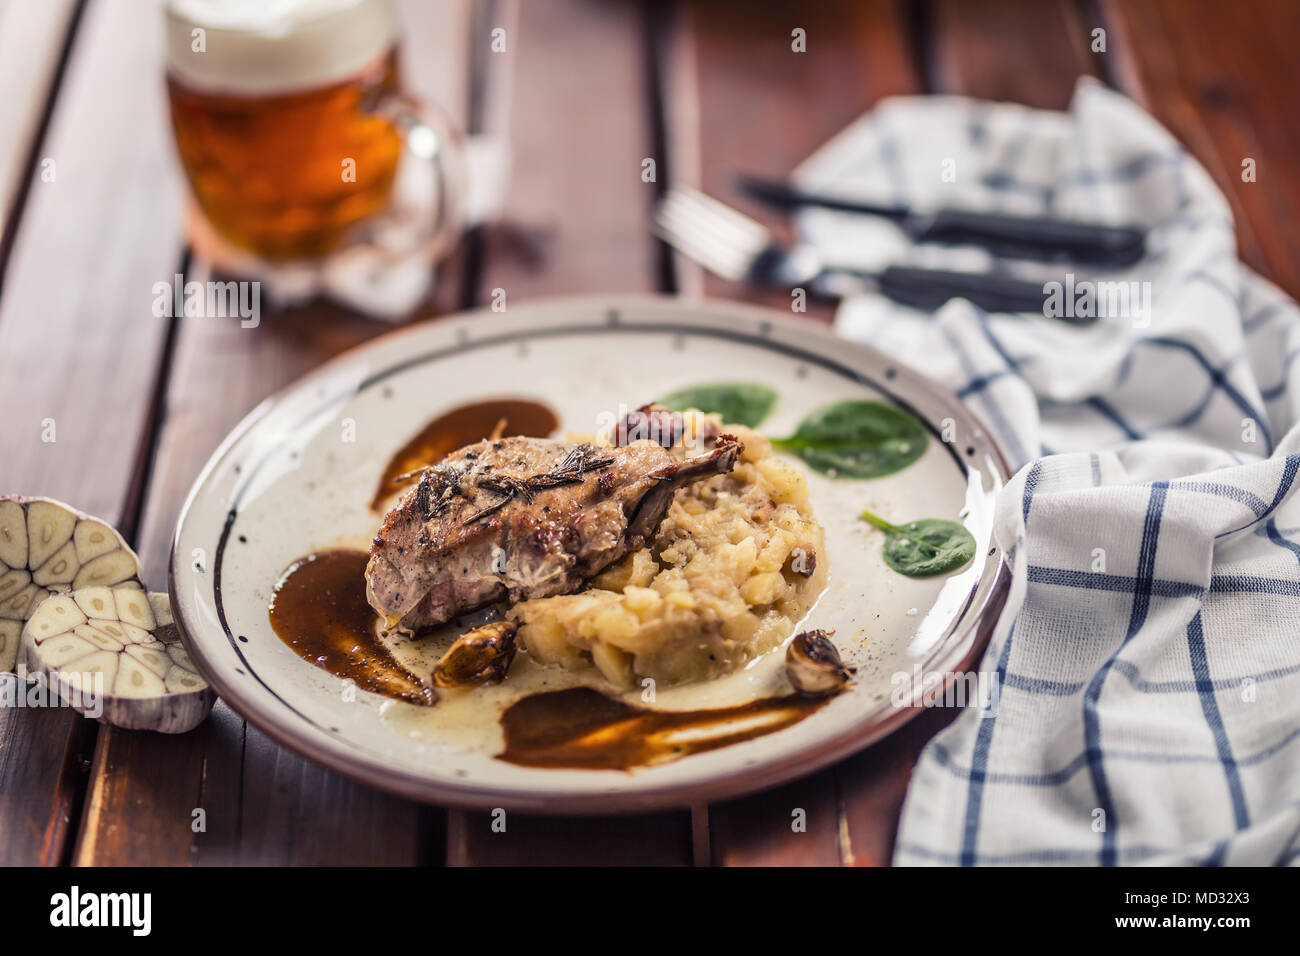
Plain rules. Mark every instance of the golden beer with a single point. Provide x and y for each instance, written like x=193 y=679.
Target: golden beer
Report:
x=281 y=124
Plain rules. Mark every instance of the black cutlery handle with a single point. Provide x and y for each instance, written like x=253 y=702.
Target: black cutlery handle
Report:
x=931 y=288
x=1021 y=237
x=1036 y=237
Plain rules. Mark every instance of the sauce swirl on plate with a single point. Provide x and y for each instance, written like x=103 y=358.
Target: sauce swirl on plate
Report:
x=320 y=611
x=585 y=729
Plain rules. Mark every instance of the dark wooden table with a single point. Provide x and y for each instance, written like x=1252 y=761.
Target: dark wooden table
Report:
x=91 y=208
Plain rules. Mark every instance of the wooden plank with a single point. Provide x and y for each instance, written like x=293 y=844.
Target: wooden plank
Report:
x=578 y=137
x=32 y=39
x=79 y=350
x=1023 y=51
x=797 y=824
x=873 y=785
x=41 y=770
x=660 y=839
x=1217 y=76
x=578 y=210
x=262 y=804
x=739 y=99
x=77 y=337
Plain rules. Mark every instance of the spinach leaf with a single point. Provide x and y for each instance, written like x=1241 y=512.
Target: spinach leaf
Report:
x=737 y=402
x=857 y=439
x=925 y=548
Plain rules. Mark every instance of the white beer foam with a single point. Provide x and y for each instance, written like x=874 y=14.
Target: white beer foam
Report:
x=257 y=47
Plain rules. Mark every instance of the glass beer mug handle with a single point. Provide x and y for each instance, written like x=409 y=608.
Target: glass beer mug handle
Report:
x=432 y=141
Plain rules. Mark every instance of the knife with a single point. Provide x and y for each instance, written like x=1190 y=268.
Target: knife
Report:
x=1022 y=237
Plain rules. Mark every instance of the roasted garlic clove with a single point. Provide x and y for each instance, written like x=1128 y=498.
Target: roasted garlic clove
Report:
x=113 y=653
x=479 y=656
x=48 y=547
x=802 y=561
x=813 y=665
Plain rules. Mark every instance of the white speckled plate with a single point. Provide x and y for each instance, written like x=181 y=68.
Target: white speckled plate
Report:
x=288 y=482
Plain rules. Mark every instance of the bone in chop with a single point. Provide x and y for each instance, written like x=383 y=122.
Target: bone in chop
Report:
x=522 y=518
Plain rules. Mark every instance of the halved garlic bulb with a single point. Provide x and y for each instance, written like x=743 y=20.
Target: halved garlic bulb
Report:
x=114 y=653
x=49 y=547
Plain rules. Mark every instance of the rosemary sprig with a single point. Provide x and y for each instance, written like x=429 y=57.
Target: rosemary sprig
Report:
x=571 y=469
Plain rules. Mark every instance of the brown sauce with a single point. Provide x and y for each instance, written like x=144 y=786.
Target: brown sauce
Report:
x=460 y=427
x=320 y=610
x=585 y=729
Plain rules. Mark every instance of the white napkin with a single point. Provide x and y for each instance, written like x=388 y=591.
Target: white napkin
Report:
x=1149 y=656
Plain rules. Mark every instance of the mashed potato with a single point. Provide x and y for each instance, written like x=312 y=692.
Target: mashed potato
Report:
x=735 y=565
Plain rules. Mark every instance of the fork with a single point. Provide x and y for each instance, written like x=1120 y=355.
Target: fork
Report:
x=731 y=245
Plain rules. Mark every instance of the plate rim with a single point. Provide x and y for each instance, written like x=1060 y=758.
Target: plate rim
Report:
x=857 y=736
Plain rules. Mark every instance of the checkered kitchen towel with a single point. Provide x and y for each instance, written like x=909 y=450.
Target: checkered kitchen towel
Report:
x=1149 y=659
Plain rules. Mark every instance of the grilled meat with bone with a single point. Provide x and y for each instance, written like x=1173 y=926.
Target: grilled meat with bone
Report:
x=522 y=518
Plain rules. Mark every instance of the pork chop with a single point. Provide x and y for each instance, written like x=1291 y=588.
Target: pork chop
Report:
x=522 y=518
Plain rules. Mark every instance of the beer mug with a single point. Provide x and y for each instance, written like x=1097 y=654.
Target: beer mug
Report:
x=291 y=123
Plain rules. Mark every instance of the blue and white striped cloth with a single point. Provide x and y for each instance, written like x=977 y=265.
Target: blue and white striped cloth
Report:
x=1149 y=658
